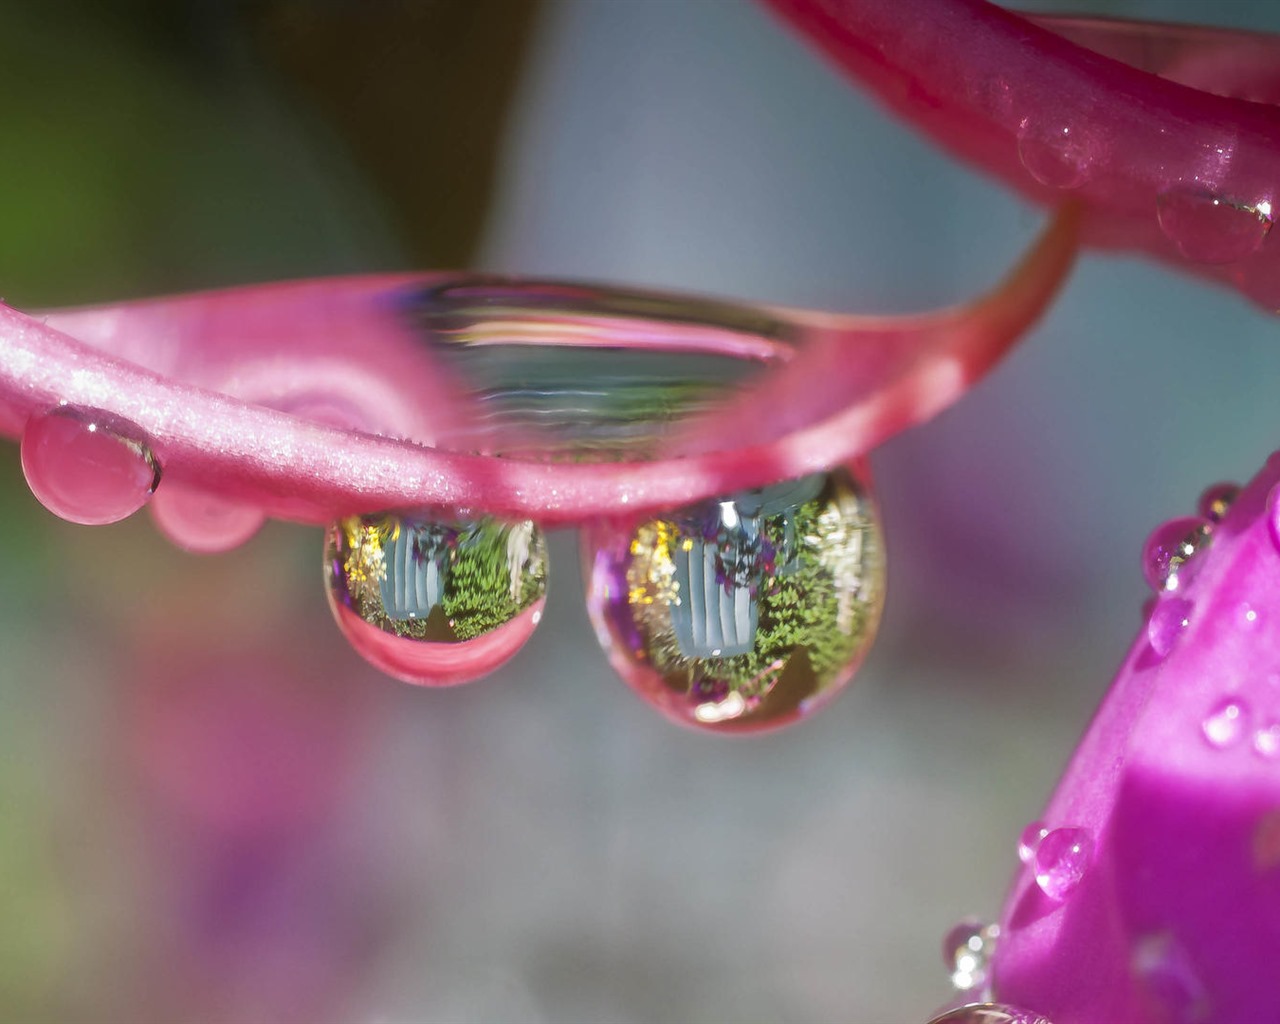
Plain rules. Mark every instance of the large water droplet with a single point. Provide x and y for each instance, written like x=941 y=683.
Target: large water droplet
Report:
x=1225 y=724
x=1169 y=618
x=967 y=950
x=1216 y=501
x=989 y=1013
x=1210 y=228
x=1062 y=860
x=1169 y=559
x=1030 y=840
x=1266 y=741
x=743 y=613
x=201 y=521
x=435 y=601
x=1166 y=973
x=1054 y=154
x=88 y=466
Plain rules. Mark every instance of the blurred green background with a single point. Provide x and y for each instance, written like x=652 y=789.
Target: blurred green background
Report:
x=210 y=809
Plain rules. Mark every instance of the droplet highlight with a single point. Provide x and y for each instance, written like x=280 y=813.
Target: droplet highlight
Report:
x=1216 y=501
x=989 y=1013
x=746 y=612
x=88 y=466
x=1062 y=860
x=202 y=522
x=967 y=950
x=1266 y=741
x=1170 y=554
x=1054 y=154
x=1225 y=724
x=1030 y=839
x=1169 y=618
x=435 y=601
x=1209 y=228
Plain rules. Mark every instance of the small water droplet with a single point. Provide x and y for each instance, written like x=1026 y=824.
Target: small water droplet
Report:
x=1247 y=615
x=1208 y=227
x=1165 y=971
x=746 y=612
x=87 y=466
x=1226 y=723
x=988 y=1013
x=1266 y=741
x=1169 y=618
x=1030 y=840
x=1061 y=861
x=201 y=521
x=1216 y=501
x=1054 y=154
x=435 y=601
x=967 y=950
x=1169 y=556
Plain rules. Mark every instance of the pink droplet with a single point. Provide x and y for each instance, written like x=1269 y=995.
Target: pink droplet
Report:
x=988 y=1013
x=1030 y=841
x=88 y=467
x=1169 y=618
x=1054 y=154
x=202 y=522
x=1266 y=741
x=1225 y=724
x=1062 y=860
x=1209 y=228
x=1169 y=559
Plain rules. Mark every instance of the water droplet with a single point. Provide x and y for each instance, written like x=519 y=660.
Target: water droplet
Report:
x=1216 y=501
x=1209 y=228
x=1169 y=618
x=1062 y=860
x=1169 y=559
x=1054 y=154
x=967 y=951
x=1165 y=971
x=746 y=612
x=203 y=522
x=988 y=1013
x=1030 y=840
x=88 y=466
x=1225 y=724
x=1247 y=615
x=1266 y=741
x=435 y=601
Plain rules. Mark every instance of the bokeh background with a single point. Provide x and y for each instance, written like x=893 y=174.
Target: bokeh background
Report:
x=211 y=810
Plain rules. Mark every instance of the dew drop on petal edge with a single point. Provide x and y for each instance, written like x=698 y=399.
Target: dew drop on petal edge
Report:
x=1170 y=556
x=434 y=601
x=1209 y=228
x=1061 y=861
x=967 y=950
x=989 y=1013
x=742 y=613
x=200 y=521
x=1030 y=840
x=87 y=466
x=1169 y=618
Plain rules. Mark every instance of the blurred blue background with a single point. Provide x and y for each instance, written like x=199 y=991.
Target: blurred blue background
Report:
x=213 y=810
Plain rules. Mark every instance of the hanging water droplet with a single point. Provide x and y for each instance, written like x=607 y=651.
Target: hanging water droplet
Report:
x=201 y=521
x=1061 y=861
x=1030 y=840
x=967 y=950
x=1225 y=723
x=1169 y=618
x=988 y=1013
x=1216 y=501
x=1208 y=227
x=1165 y=971
x=435 y=601
x=1266 y=741
x=1169 y=559
x=746 y=612
x=1053 y=153
x=87 y=466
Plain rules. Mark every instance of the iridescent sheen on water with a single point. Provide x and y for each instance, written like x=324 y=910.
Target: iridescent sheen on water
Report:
x=435 y=601
x=745 y=612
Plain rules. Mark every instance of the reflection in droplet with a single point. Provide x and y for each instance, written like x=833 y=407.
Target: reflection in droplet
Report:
x=1062 y=860
x=989 y=1013
x=1266 y=741
x=201 y=521
x=1030 y=840
x=743 y=613
x=435 y=601
x=1216 y=501
x=967 y=950
x=1165 y=971
x=1209 y=228
x=87 y=466
x=1169 y=556
x=1225 y=724
x=1169 y=618
x=1053 y=153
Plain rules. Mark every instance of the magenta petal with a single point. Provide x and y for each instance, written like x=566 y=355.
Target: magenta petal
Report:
x=204 y=378
x=1176 y=913
x=1178 y=164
